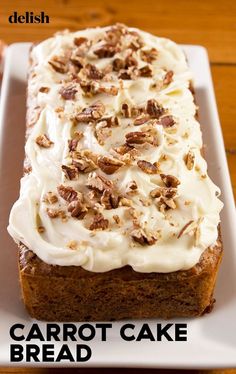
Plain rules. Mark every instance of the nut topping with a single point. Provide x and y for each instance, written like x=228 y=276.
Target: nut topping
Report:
x=77 y=209
x=67 y=193
x=91 y=113
x=43 y=141
x=80 y=40
x=146 y=71
x=98 y=182
x=149 y=55
x=106 y=50
x=138 y=137
x=109 y=200
x=168 y=77
x=147 y=167
x=166 y=121
x=68 y=92
x=189 y=160
x=109 y=165
x=59 y=64
x=142 y=237
x=154 y=109
x=70 y=171
x=83 y=163
x=99 y=223
x=50 y=198
x=93 y=72
x=170 y=180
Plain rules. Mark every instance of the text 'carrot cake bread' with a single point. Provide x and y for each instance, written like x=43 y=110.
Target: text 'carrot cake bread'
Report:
x=117 y=216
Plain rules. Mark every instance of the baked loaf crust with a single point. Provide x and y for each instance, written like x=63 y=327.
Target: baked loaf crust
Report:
x=70 y=293
x=122 y=217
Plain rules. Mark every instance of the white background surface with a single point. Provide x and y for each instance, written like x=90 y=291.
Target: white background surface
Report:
x=212 y=338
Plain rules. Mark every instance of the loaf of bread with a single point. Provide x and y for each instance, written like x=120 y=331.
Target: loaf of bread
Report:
x=117 y=217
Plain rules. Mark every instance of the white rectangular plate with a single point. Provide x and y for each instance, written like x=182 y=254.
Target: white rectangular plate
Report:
x=211 y=338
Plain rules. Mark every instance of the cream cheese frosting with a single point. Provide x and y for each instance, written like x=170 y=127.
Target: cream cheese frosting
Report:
x=155 y=221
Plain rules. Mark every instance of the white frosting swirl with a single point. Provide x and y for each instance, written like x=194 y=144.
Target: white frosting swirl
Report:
x=197 y=199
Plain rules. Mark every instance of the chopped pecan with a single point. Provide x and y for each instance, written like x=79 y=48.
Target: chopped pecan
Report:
x=167 y=192
x=170 y=180
x=98 y=182
x=44 y=89
x=109 y=200
x=154 y=109
x=123 y=149
x=77 y=58
x=106 y=50
x=146 y=71
x=50 y=198
x=43 y=141
x=166 y=121
x=68 y=92
x=91 y=113
x=83 y=163
x=77 y=209
x=130 y=73
x=168 y=77
x=183 y=230
x=67 y=193
x=131 y=187
x=93 y=72
x=53 y=213
x=80 y=40
x=109 y=165
x=113 y=35
x=147 y=167
x=149 y=55
x=143 y=237
x=140 y=120
x=125 y=202
x=73 y=143
x=138 y=137
x=126 y=110
x=102 y=133
x=59 y=64
x=118 y=64
x=110 y=90
x=111 y=121
x=99 y=223
x=70 y=172
x=136 y=41
x=189 y=160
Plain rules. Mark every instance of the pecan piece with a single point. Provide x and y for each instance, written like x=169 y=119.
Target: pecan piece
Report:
x=91 y=113
x=77 y=209
x=142 y=237
x=99 y=223
x=106 y=50
x=131 y=187
x=70 y=171
x=53 y=213
x=98 y=182
x=118 y=64
x=140 y=120
x=168 y=77
x=154 y=109
x=44 y=89
x=59 y=64
x=43 y=141
x=130 y=73
x=170 y=180
x=67 y=193
x=166 y=121
x=93 y=72
x=50 y=198
x=83 y=163
x=126 y=110
x=109 y=165
x=147 y=167
x=146 y=71
x=109 y=200
x=80 y=40
x=138 y=137
x=149 y=55
x=68 y=92
x=189 y=160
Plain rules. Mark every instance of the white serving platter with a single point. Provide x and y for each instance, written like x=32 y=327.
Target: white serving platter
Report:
x=212 y=338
